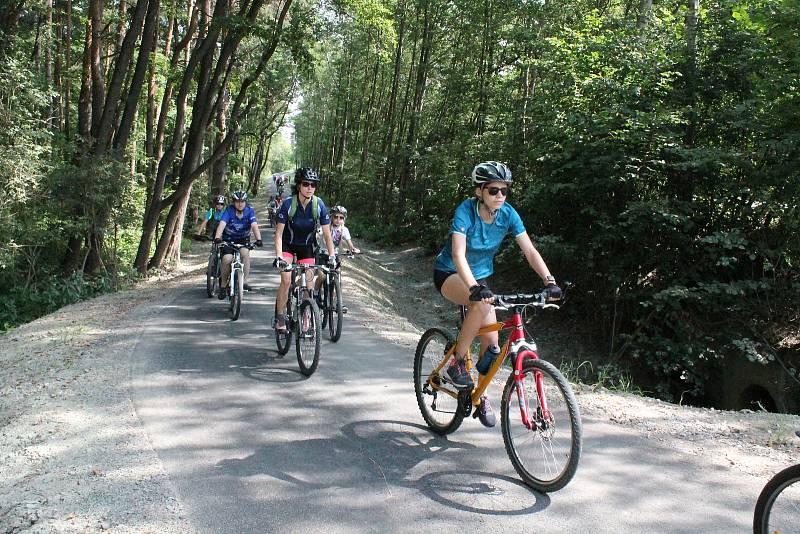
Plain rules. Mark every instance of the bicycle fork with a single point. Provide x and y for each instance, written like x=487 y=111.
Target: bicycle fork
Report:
x=236 y=265
x=542 y=419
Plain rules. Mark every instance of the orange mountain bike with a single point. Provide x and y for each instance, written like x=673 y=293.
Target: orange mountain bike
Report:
x=539 y=415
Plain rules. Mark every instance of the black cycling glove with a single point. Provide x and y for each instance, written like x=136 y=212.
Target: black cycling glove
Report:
x=259 y=243
x=553 y=291
x=217 y=240
x=479 y=292
x=279 y=263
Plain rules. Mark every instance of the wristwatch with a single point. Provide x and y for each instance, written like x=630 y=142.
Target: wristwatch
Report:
x=550 y=278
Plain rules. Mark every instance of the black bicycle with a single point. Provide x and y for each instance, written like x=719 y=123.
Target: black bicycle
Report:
x=302 y=318
x=332 y=308
x=213 y=270
x=778 y=506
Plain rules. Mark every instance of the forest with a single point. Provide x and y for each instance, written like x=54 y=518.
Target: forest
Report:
x=655 y=148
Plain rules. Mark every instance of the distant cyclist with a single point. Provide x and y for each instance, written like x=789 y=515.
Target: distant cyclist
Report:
x=295 y=233
x=235 y=226
x=339 y=233
x=272 y=208
x=463 y=267
x=212 y=217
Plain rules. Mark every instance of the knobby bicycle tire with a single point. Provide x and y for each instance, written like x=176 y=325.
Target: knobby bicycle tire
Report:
x=324 y=311
x=335 y=310
x=211 y=276
x=236 y=296
x=765 y=520
x=308 y=348
x=441 y=412
x=284 y=340
x=539 y=464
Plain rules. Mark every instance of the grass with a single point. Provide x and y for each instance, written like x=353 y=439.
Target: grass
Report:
x=607 y=377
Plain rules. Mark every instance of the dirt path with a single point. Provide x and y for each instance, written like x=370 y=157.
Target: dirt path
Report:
x=74 y=456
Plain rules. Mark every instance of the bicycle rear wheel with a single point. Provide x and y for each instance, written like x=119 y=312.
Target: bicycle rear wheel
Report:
x=335 y=310
x=545 y=456
x=236 y=296
x=284 y=339
x=778 y=506
x=308 y=340
x=439 y=408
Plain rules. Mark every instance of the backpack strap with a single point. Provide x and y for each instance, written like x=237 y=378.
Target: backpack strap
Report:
x=314 y=208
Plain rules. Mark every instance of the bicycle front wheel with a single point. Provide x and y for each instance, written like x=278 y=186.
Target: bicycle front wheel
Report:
x=778 y=506
x=546 y=455
x=211 y=278
x=284 y=339
x=236 y=296
x=324 y=311
x=437 y=399
x=308 y=337
x=335 y=310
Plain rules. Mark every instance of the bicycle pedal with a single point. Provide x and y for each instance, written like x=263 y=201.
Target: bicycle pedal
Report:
x=344 y=310
x=465 y=402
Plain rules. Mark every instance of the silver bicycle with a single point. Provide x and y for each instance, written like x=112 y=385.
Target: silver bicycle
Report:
x=236 y=281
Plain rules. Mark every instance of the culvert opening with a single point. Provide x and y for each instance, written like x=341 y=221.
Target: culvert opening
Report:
x=757 y=398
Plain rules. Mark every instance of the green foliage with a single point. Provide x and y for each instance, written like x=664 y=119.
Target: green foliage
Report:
x=665 y=184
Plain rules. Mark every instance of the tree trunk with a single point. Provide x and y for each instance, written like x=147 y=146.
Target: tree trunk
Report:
x=137 y=81
x=416 y=111
x=217 y=185
x=209 y=86
x=97 y=85
x=50 y=110
x=645 y=6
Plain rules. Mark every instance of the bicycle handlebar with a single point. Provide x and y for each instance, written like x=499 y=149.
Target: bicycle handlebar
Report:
x=303 y=267
x=237 y=245
x=537 y=300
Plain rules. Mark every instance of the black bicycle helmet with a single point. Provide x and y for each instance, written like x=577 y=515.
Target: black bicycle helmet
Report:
x=239 y=195
x=305 y=174
x=490 y=171
x=219 y=199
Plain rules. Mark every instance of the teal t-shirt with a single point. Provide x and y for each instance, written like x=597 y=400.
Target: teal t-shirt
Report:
x=483 y=239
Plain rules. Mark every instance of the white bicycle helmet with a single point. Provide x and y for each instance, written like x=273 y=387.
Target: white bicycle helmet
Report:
x=491 y=171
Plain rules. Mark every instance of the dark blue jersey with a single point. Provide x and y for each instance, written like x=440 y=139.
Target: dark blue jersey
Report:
x=238 y=228
x=300 y=229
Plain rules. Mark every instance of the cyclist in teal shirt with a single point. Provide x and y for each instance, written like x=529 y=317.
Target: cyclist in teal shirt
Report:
x=466 y=262
x=212 y=217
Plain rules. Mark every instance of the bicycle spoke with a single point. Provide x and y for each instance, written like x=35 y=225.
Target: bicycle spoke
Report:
x=439 y=409
x=545 y=455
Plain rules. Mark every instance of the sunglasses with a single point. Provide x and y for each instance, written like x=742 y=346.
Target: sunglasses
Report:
x=240 y=200
x=309 y=184
x=494 y=190
x=338 y=217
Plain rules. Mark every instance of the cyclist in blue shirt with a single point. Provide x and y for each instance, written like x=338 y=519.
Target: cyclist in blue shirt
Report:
x=295 y=233
x=466 y=262
x=235 y=226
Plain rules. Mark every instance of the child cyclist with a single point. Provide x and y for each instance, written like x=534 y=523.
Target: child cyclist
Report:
x=463 y=267
x=339 y=233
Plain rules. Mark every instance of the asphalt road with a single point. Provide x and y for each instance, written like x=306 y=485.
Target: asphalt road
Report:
x=253 y=446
